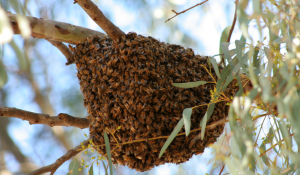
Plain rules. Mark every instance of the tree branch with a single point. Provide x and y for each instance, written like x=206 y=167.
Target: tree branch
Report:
x=176 y=13
x=96 y=14
x=234 y=21
x=64 y=50
x=35 y=118
x=53 y=30
x=53 y=167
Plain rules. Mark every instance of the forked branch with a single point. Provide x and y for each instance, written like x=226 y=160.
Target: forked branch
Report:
x=96 y=14
x=53 y=167
x=53 y=30
x=36 y=118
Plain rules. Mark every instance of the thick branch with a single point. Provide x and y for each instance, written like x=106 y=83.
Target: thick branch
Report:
x=53 y=167
x=64 y=50
x=96 y=14
x=53 y=30
x=35 y=118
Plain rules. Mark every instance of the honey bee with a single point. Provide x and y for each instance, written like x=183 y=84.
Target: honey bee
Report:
x=134 y=43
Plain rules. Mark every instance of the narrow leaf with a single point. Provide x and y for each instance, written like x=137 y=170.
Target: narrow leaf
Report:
x=73 y=167
x=187 y=120
x=171 y=137
x=215 y=66
x=107 y=146
x=239 y=52
x=3 y=75
x=224 y=37
x=207 y=115
x=189 y=84
x=91 y=171
x=106 y=173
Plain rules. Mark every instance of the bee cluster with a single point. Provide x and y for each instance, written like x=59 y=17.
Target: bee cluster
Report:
x=128 y=83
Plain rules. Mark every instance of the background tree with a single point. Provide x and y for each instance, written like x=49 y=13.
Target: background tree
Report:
x=266 y=132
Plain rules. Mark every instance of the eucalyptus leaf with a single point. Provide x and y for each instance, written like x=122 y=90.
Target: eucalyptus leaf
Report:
x=73 y=167
x=215 y=66
x=107 y=146
x=172 y=136
x=91 y=170
x=187 y=120
x=189 y=84
x=224 y=37
x=3 y=75
x=207 y=115
x=104 y=166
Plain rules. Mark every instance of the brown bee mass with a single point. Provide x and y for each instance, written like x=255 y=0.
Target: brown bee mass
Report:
x=128 y=83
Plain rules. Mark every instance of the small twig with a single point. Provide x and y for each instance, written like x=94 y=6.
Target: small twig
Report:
x=53 y=167
x=53 y=30
x=222 y=169
x=222 y=62
x=185 y=10
x=35 y=118
x=96 y=14
x=64 y=50
x=234 y=21
x=273 y=146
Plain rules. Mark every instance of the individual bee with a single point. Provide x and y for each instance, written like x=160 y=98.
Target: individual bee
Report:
x=105 y=77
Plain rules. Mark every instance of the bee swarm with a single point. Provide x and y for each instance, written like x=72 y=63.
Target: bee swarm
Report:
x=128 y=83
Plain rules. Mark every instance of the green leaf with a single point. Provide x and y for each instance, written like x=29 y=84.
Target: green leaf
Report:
x=73 y=167
x=227 y=53
x=106 y=173
x=226 y=71
x=187 y=120
x=239 y=53
x=171 y=137
x=262 y=149
x=224 y=37
x=23 y=65
x=255 y=58
x=215 y=66
x=3 y=75
x=189 y=84
x=207 y=115
x=257 y=7
x=107 y=146
x=91 y=171
x=286 y=135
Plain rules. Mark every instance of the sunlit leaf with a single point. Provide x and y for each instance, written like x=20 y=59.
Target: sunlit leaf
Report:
x=73 y=167
x=6 y=31
x=107 y=146
x=24 y=26
x=215 y=66
x=207 y=115
x=239 y=51
x=286 y=135
x=171 y=137
x=224 y=37
x=187 y=120
x=189 y=84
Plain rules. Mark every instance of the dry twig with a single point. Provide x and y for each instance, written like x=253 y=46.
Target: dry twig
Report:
x=96 y=14
x=53 y=167
x=53 y=30
x=64 y=50
x=234 y=21
x=185 y=10
x=35 y=118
